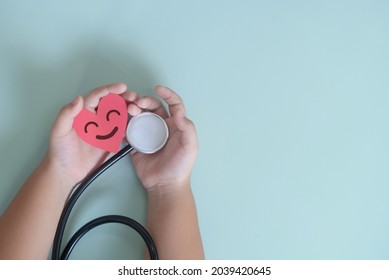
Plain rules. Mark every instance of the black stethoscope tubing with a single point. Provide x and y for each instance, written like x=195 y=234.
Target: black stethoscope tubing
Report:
x=56 y=249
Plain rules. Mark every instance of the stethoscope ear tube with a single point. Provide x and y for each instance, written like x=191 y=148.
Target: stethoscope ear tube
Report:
x=56 y=250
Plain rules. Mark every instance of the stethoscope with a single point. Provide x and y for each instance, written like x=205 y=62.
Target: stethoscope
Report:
x=146 y=133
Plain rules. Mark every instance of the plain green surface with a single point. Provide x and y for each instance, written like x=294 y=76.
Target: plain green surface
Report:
x=290 y=100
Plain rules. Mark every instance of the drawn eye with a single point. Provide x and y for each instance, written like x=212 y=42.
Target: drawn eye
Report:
x=112 y=111
x=89 y=123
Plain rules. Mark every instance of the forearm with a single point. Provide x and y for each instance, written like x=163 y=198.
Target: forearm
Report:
x=28 y=226
x=173 y=224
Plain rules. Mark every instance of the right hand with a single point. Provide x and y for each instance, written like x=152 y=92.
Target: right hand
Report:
x=170 y=168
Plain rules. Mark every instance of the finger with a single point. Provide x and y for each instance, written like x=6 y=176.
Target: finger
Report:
x=133 y=109
x=153 y=105
x=64 y=123
x=130 y=96
x=93 y=98
x=176 y=105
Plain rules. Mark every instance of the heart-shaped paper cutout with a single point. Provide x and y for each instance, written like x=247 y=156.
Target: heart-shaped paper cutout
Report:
x=106 y=128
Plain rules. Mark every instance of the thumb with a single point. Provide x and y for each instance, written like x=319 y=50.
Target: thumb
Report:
x=64 y=122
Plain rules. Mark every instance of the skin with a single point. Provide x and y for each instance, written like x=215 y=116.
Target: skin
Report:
x=28 y=225
x=172 y=216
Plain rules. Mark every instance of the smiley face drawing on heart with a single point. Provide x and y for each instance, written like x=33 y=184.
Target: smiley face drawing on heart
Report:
x=105 y=129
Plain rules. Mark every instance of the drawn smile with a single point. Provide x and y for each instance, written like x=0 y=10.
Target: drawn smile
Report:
x=107 y=136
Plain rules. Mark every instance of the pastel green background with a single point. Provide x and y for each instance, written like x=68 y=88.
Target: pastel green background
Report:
x=290 y=100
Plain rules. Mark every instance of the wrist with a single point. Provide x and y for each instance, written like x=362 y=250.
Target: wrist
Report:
x=54 y=171
x=168 y=191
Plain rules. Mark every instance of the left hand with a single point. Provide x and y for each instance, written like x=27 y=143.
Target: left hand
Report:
x=70 y=156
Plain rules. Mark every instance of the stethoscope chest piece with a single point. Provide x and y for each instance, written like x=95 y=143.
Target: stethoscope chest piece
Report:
x=147 y=133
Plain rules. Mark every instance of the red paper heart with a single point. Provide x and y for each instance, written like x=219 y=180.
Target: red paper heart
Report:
x=106 y=128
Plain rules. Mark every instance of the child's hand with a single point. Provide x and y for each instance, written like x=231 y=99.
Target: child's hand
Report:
x=71 y=157
x=171 y=214
x=170 y=168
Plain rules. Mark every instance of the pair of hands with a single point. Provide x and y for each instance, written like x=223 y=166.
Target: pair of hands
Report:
x=72 y=159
